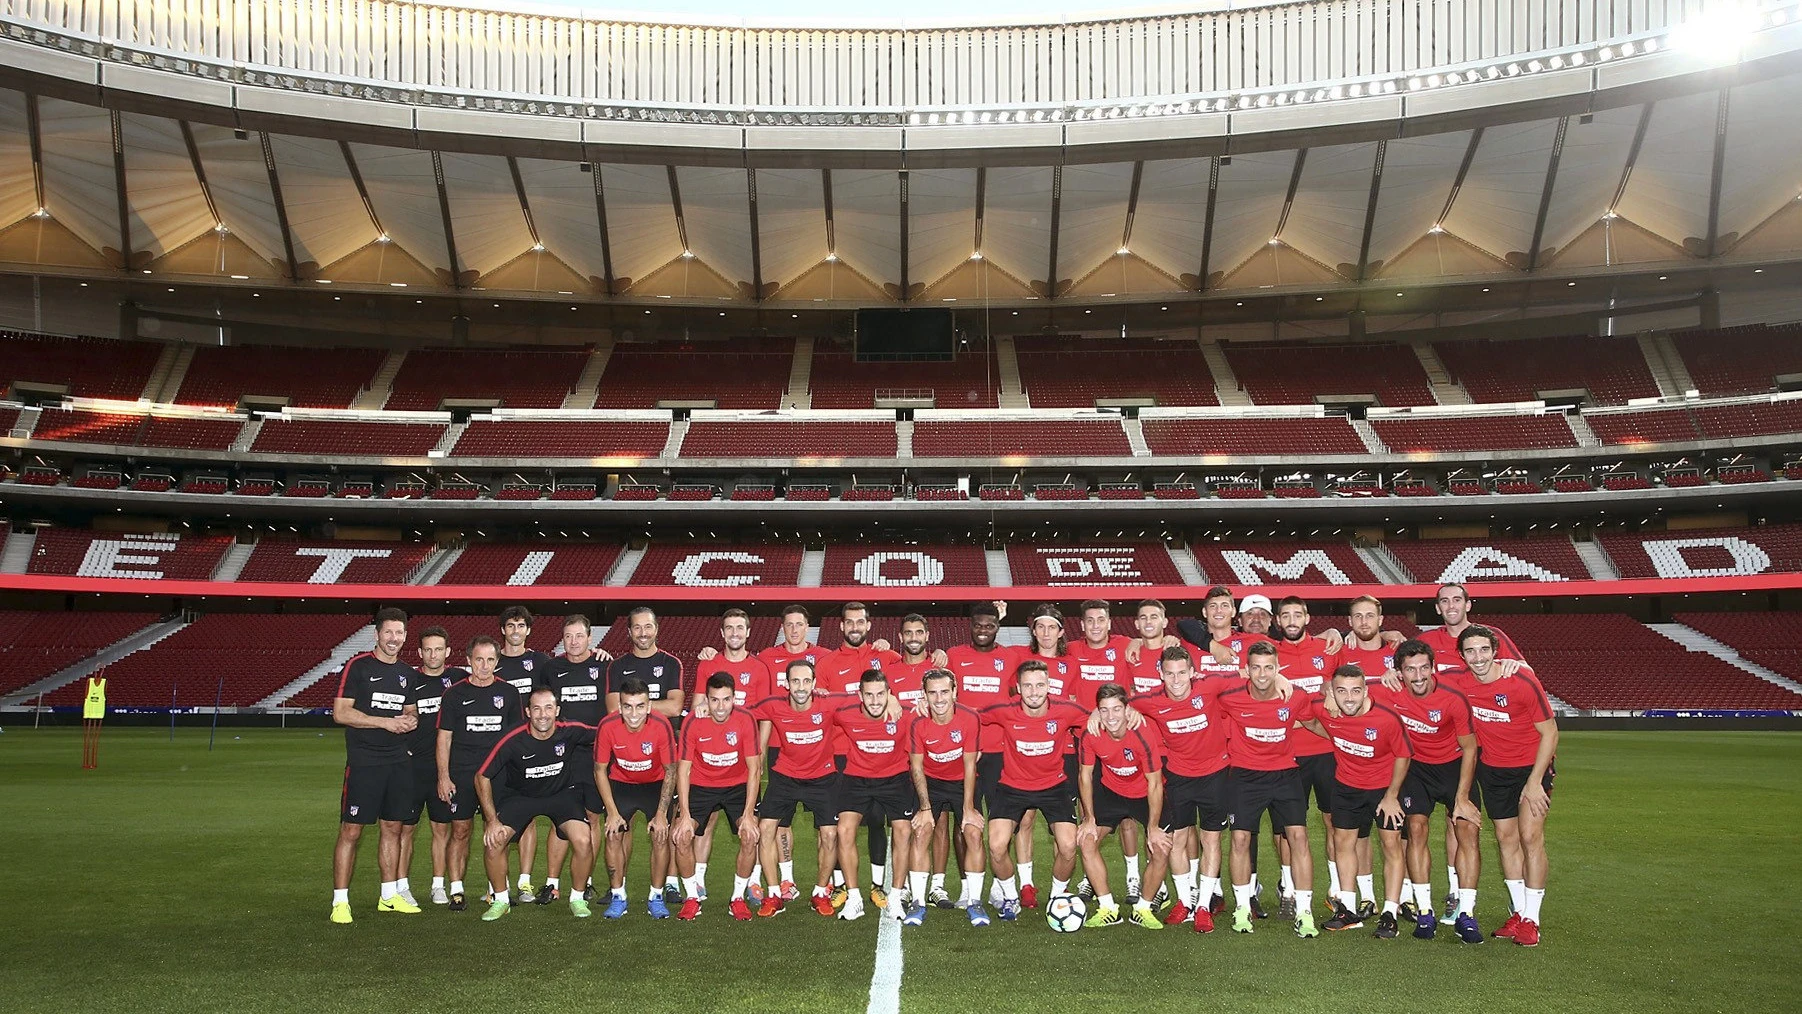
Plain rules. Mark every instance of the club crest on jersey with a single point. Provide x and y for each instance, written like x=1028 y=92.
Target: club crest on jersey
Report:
x=446 y=681
x=889 y=728
x=816 y=718
x=1127 y=753
x=499 y=701
x=657 y=670
x=731 y=739
x=1282 y=714
x=744 y=679
x=1319 y=662
x=1370 y=734
x=646 y=747
x=1435 y=715
x=526 y=665
x=1388 y=662
x=558 y=749
x=876 y=663
x=957 y=735
x=403 y=682
x=594 y=672
x=998 y=665
x=1501 y=700
x=1110 y=654
x=1197 y=701
x=1051 y=726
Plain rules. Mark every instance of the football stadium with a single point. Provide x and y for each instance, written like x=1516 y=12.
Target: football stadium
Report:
x=767 y=507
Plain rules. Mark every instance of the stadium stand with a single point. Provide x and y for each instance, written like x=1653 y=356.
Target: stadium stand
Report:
x=71 y=426
x=519 y=491
x=1612 y=661
x=334 y=562
x=1479 y=433
x=517 y=378
x=753 y=494
x=1649 y=427
x=1706 y=552
x=88 y=367
x=892 y=565
x=1725 y=422
x=1612 y=370
x=1125 y=563
x=633 y=492
x=867 y=494
x=79 y=553
x=330 y=436
x=307 y=378
x=1292 y=373
x=148 y=483
x=807 y=493
x=256 y=487
x=1771 y=639
x=1065 y=372
x=308 y=489
x=741 y=373
x=535 y=563
x=39 y=643
x=693 y=492
x=928 y=493
x=972 y=380
x=78 y=426
x=1000 y=491
x=1740 y=360
x=190 y=434
x=576 y=438
x=1293 y=562
x=99 y=480
x=785 y=439
x=703 y=565
x=1194 y=437
x=1019 y=437
x=1523 y=558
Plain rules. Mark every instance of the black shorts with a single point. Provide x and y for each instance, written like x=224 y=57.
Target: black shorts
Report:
x=1111 y=807
x=464 y=803
x=1056 y=803
x=706 y=800
x=634 y=798
x=947 y=796
x=1430 y=785
x=518 y=812
x=1205 y=799
x=1070 y=768
x=1356 y=809
x=783 y=794
x=988 y=778
x=375 y=792
x=1252 y=792
x=1501 y=788
x=1317 y=776
x=892 y=798
x=425 y=793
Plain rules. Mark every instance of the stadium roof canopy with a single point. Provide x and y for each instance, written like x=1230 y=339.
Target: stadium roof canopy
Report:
x=1233 y=150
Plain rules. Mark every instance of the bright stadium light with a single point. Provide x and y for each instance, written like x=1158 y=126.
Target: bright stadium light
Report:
x=1716 y=36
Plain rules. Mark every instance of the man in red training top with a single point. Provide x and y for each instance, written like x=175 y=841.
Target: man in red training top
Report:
x=718 y=771
x=1129 y=789
x=635 y=773
x=1374 y=754
x=1264 y=778
x=876 y=784
x=943 y=746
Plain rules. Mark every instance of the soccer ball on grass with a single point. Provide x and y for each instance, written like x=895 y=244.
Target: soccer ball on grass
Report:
x=1065 y=913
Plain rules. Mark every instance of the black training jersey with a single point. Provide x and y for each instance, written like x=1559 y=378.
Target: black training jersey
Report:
x=581 y=688
x=543 y=767
x=660 y=671
x=477 y=718
x=380 y=689
x=526 y=672
x=427 y=692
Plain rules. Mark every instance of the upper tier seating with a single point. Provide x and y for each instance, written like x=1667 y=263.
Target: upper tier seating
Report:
x=516 y=378
x=36 y=644
x=81 y=553
x=577 y=438
x=551 y=563
x=1612 y=369
x=1292 y=373
x=739 y=568
x=1725 y=422
x=1074 y=373
x=88 y=367
x=888 y=565
x=1650 y=427
x=332 y=436
x=972 y=380
x=1125 y=563
x=745 y=373
x=1250 y=436
x=1706 y=551
x=1480 y=433
x=1740 y=360
x=1018 y=437
x=784 y=439
x=308 y=378
x=1278 y=563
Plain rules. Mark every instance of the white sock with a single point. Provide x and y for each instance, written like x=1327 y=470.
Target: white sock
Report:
x=1304 y=901
x=1132 y=867
x=1242 y=895
x=1059 y=887
x=551 y=882
x=916 y=886
x=701 y=872
x=1423 y=896
x=821 y=892
x=972 y=889
x=787 y=866
x=1210 y=886
x=938 y=882
x=1287 y=882
x=437 y=883
x=1467 y=901
x=389 y=889
x=756 y=873
x=1257 y=887
x=1367 y=887
x=1332 y=874
x=654 y=895
x=1517 y=894
x=672 y=881
x=1025 y=873
x=1391 y=907
x=402 y=887
x=1185 y=889
x=1407 y=887
x=1347 y=899
x=1535 y=897
x=1010 y=890
x=1452 y=873
x=1104 y=900
x=620 y=892
x=456 y=887
x=1142 y=905
x=341 y=897
x=1195 y=869
x=693 y=884
x=738 y=886
x=504 y=897
x=525 y=881
x=838 y=878
x=878 y=876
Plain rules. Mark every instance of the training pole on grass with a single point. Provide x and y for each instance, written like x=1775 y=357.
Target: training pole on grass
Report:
x=174 y=688
x=218 y=696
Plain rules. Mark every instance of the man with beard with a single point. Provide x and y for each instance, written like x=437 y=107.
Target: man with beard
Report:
x=718 y=770
x=841 y=672
x=1264 y=776
x=984 y=672
x=428 y=693
x=578 y=678
x=875 y=783
x=544 y=761
x=1121 y=782
x=522 y=668
x=375 y=707
x=1305 y=664
x=793 y=730
x=943 y=744
x=473 y=715
x=752 y=681
x=661 y=673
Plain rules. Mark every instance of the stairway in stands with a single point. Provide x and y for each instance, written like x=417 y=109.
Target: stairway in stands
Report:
x=361 y=641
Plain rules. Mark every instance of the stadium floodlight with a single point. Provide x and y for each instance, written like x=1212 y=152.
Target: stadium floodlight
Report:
x=1716 y=35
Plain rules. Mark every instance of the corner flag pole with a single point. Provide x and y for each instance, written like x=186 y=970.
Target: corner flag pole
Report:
x=218 y=696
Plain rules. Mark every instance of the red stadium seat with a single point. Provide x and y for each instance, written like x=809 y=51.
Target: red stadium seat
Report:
x=149 y=557
x=36 y=644
x=307 y=378
x=575 y=438
x=1252 y=436
x=742 y=373
x=332 y=436
x=1613 y=370
x=788 y=439
x=1293 y=373
x=517 y=378
x=972 y=380
x=1077 y=372
x=1473 y=433
x=1015 y=437
x=88 y=367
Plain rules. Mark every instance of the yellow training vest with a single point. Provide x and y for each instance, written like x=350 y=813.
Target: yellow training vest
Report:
x=95 y=704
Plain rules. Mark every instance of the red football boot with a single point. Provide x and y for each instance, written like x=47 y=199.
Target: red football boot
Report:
x=1029 y=896
x=1204 y=920
x=822 y=903
x=690 y=911
x=1527 y=933
x=772 y=905
x=1509 y=928
x=740 y=909
x=1179 y=913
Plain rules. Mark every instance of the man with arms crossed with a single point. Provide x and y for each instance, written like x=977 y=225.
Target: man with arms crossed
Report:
x=375 y=706
x=579 y=679
x=635 y=773
x=545 y=761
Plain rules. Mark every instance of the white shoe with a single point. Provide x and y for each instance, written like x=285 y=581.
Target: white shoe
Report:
x=407 y=896
x=897 y=906
x=995 y=894
x=853 y=907
x=1132 y=887
x=439 y=897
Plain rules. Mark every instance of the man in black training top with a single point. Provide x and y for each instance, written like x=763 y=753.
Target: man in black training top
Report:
x=438 y=676
x=579 y=679
x=473 y=715
x=375 y=706
x=662 y=675
x=545 y=761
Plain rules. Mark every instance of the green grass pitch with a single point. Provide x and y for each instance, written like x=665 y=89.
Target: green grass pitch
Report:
x=173 y=879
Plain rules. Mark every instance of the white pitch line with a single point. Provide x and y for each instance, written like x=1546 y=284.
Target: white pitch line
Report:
x=885 y=981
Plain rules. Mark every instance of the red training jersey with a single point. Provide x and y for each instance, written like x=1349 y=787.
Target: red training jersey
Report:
x=1146 y=676
x=984 y=678
x=777 y=658
x=1367 y=745
x=906 y=680
x=718 y=750
x=1445 y=647
x=803 y=739
x=841 y=670
x=1193 y=729
x=1374 y=661
x=1094 y=667
x=1031 y=748
x=877 y=747
x=1503 y=712
x=1124 y=762
x=1306 y=664
x=1062 y=670
x=1433 y=722
x=1263 y=732
x=751 y=681
x=639 y=757
x=942 y=747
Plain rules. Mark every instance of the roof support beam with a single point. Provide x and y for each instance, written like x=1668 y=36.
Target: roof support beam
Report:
x=525 y=204
x=356 y=177
x=826 y=205
x=1370 y=208
x=1545 y=193
x=206 y=190
x=1132 y=204
x=1057 y=214
x=905 y=280
x=1301 y=160
x=1639 y=138
x=982 y=189
x=1207 y=227
x=675 y=200
x=444 y=213
x=756 y=242
x=1719 y=170
x=1470 y=154
x=37 y=149
x=118 y=131
x=281 y=206
x=600 y=217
